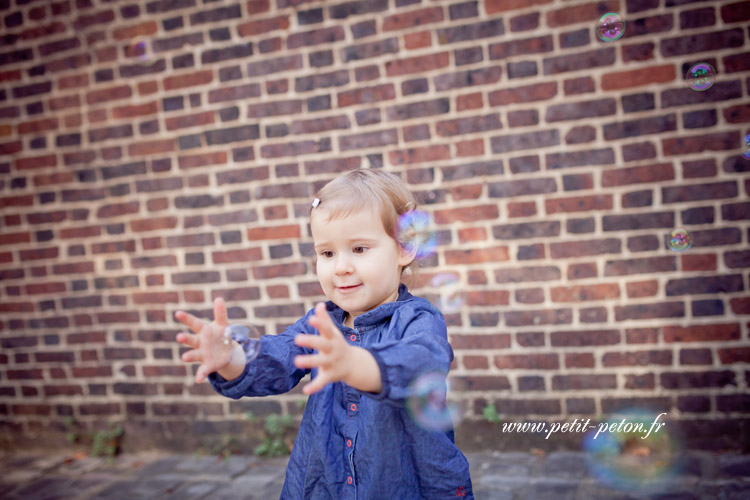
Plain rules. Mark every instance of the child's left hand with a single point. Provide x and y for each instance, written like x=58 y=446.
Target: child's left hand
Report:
x=334 y=352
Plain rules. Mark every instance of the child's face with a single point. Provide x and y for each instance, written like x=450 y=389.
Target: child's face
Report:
x=358 y=263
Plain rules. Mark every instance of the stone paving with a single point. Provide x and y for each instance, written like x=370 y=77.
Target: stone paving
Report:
x=496 y=476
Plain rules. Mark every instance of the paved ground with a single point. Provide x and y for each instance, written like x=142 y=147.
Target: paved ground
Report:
x=501 y=476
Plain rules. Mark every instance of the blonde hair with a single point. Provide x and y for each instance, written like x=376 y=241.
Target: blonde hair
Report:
x=384 y=191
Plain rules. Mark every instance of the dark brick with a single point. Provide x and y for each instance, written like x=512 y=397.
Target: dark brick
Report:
x=699 y=119
x=703 y=42
x=697 y=18
x=712 y=191
x=645 y=243
x=638 y=151
x=638 y=52
x=637 y=102
x=581 y=61
x=638 y=221
x=460 y=79
x=693 y=380
x=370 y=49
x=576 y=38
x=522 y=69
x=735 y=12
x=708 y=307
x=580 y=158
x=721 y=91
x=529 y=140
x=641 y=5
x=642 y=126
x=634 y=199
x=526 y=230
x=477 y=31
x=344 y=10
x=698 y=215
x=580 y=110
x=705 y=284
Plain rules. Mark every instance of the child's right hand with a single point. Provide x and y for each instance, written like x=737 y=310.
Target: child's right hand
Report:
x=208 y=347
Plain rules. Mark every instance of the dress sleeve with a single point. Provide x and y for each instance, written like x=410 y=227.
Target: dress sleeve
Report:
x=420 y=347
x=273 y=370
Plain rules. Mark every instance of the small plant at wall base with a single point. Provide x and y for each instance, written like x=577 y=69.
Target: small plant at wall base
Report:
x=276 y=442
x=107 y=442
x=490 y=414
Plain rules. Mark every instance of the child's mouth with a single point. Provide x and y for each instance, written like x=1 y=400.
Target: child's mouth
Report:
x=347 y=289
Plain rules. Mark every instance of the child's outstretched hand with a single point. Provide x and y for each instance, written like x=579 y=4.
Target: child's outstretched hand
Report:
x=208 y=347
x=336 y=360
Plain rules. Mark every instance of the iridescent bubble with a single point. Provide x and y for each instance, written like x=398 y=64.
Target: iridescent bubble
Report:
x=746 y=154
x=247 y=336
x=633 y=451
x=679 y=240
x=416 y=234
x=427 y=404
x=139 y=49
x=610 y=27
x=449 y=292
x=701 y=76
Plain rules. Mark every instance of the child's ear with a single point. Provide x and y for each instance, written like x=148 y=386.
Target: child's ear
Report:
x=407 y=254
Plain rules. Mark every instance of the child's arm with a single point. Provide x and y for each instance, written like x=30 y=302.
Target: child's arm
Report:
x=336 y=360
x=271 y=372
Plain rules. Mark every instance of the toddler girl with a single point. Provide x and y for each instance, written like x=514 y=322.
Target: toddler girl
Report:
x=364 y=348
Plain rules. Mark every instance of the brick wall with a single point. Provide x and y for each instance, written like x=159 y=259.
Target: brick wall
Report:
x=554 y=165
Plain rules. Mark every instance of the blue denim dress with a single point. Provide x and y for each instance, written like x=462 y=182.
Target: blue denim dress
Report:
x=358 y=445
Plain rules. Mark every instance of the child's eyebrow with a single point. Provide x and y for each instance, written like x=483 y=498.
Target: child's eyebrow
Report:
x=362 y=239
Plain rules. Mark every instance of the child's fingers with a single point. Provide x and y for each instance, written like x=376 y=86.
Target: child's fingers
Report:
x=309 y=360
x=187 y=319
x=220 y=312
x=317 y=384
x=191 y=356
x=313 y=342
x=201 y=374
x=188 y=339
x=323 y=322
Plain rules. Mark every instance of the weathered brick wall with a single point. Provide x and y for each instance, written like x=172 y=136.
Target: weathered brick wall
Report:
x=554 y=165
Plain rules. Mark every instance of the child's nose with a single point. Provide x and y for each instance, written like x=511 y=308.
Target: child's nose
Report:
x=343 y=265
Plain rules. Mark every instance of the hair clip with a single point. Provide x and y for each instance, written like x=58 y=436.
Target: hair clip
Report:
x=316 y=202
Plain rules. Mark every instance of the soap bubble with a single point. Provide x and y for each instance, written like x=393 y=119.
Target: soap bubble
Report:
x=140 y=50
x=416 y=234
x=634 y=452
x=679 y=240
x=610 y=27
x=449 y=292
x=701 y=76
x=247 y=336
x=427 y=404
x=746 y=154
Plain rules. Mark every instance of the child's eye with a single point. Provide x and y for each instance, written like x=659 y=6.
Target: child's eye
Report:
x=359 y=249
x=326 y=253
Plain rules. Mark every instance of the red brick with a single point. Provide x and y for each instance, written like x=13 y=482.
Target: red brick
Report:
x=646 y=174
x=366 y=95
x=527 y=361
x=642 y=76
x=472 y=234
x=262 y=26
x=578 y=13
x=188 y=80
x=584 y=292
x=638 y=289
x=419 y=64
x=475 y=256
x=528 y=93
x=702 y=333
x=493 y=6
x=522 y=209
x=419 y=155
x=467 y=214
x=578 y=204
x=273 y=233
x=698 y=262
x=418 y=40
